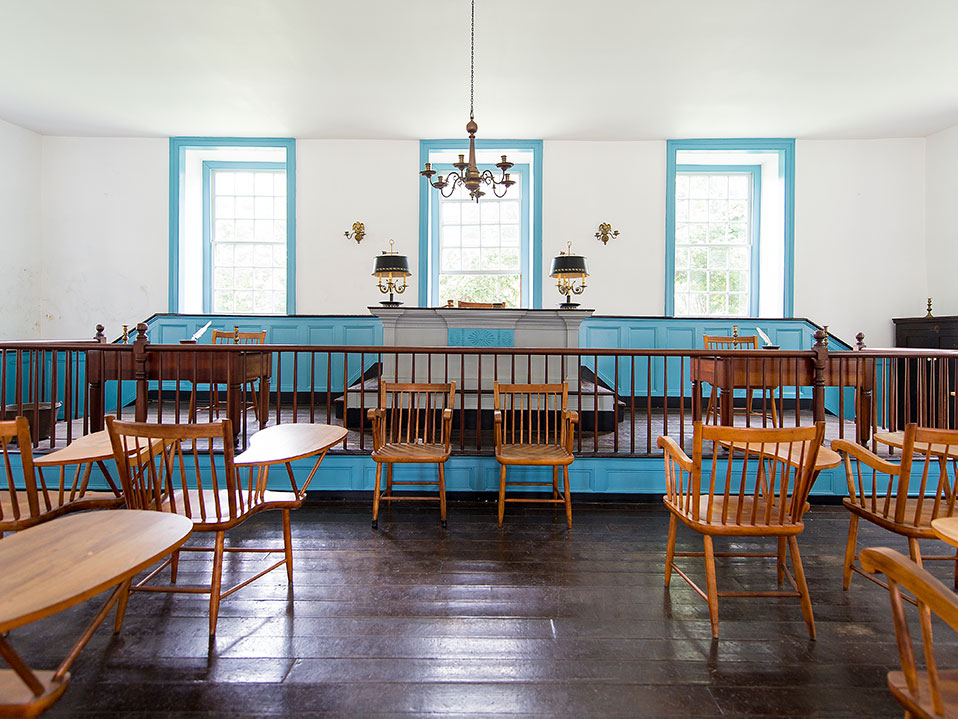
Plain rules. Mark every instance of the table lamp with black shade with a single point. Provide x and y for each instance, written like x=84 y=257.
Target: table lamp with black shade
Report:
x=569 y=271
x=392 y=269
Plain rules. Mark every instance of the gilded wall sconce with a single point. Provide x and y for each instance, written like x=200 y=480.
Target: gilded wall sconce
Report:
x=357 y=233
x=606 y=233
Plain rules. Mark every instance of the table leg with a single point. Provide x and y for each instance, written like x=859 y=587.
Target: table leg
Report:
x=726 y=400
x=233 y=409
x=696 y=400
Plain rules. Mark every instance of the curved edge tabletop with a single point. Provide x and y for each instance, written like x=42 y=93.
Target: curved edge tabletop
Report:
x=93 y=447
x=947 y=529
x=827 y=458
x=897 y=440
x=284 y=443
x=52 y=566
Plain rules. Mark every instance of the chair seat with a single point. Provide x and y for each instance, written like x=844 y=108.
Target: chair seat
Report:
x=542 y=454
x=748 y=504
x=269 y=500
x=90 y=500
x=948 y=681
x=906 y=528
x=411 y=453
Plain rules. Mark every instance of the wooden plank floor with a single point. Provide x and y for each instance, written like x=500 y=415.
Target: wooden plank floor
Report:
x=531 y=620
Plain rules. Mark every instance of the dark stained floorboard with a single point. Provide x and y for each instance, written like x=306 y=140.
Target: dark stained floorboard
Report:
x=529 y=620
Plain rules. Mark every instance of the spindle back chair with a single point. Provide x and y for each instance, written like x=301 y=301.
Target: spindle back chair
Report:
x=756 y=485
x=163 y=467
x=736 y=342
x=412 y=424
x=929 y=693
x=534 y=427
x=887 y=494
x=228 y=337
x=37 y=501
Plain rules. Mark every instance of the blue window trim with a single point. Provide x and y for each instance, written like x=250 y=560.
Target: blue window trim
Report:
x=178 y=147
x=426 y=198
x=755 y=171
x=208 y=167
x=785 y=147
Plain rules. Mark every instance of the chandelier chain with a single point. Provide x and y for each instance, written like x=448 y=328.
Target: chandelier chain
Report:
x=472 y=62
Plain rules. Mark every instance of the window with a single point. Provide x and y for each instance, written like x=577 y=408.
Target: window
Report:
x=232 y=225
x=246 y=203
x=486 y=251
x=716 y=248
x=730 y=218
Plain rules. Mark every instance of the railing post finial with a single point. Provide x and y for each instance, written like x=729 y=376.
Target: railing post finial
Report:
x=860 y=341
x=141 y=337
x=99 y=336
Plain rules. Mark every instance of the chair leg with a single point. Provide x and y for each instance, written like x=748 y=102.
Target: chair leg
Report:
x=780 y=563
x=174 y=566
x=568 y=496
x=670 y=548
x=379 y=474
x=121 y=605
x=502 y=492
x=555 y=482
x=442 y=495
x=217 y=581
x=850 y=547
x=914 y=550
x=389 y=479
x=802 y=585
x=288 y=546
x=711 y=408
x=711 y=586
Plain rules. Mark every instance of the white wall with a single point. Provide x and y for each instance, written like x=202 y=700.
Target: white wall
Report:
x=105 y=245
x=19 y=233
x=860 y=215
x=859 y=235
x=622 y=183
x=941 y=212
x=337 y=183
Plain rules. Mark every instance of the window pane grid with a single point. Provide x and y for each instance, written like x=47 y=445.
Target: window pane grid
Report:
x=712 y=243
x=480 y=247
x=248 y=217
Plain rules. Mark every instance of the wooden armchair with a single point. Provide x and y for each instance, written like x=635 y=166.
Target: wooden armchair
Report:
x=413 y=424
x=190 y=472
x=226 y=337
x=931 y=693
x=534 y=427
x=735 y=342
x=37 y=501
x=758 y=490
x=887 y=494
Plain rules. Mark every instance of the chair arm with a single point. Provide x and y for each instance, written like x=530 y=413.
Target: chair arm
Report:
x=673 y=450
x=917 y=580
x=863 y=454
x=569 y=419
x=377 y=416
x=497 y=420
x=570 y=415
x=447 y=427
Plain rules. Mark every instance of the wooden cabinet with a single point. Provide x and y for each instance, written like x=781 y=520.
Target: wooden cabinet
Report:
x=927 y=332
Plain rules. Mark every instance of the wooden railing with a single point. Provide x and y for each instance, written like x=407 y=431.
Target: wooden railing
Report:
x=625 y=398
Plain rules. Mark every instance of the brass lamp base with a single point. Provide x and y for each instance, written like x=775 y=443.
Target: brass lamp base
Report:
x=568 y=305
x=390 y=303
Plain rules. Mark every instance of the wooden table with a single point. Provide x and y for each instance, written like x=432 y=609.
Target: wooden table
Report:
x=84 y=452
x=827 y=458
x=897 y=440
x=198 y=366
x=729 y=373
x=286 y=443
x=946 y=528
x=52 y=566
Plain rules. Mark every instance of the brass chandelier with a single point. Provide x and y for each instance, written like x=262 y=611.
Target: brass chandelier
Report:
x=468 y=174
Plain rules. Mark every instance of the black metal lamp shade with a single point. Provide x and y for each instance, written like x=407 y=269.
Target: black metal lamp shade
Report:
x=391 y=266
x=569 y=266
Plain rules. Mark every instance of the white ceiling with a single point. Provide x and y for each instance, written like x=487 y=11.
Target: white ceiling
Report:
x=551 y=69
